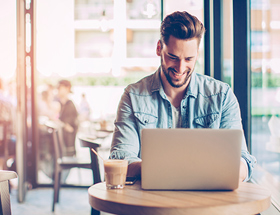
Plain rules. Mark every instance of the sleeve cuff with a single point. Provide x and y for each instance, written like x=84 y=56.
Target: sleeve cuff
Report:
x=247 y=177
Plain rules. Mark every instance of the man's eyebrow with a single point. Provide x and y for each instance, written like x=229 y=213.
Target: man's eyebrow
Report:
x=178 y=57
x=172 y=55
x=190 y=57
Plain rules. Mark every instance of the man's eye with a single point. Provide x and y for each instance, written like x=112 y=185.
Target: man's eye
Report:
x=172 y=58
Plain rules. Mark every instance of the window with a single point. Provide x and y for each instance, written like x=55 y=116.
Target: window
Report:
x=101 y=46
x=265 y=93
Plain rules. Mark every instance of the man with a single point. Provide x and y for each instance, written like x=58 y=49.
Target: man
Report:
x=174 y=96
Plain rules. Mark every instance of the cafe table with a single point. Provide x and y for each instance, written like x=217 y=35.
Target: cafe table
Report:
x=249 y=198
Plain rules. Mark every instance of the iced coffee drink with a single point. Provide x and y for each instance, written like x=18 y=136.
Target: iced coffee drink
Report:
x=115 y=173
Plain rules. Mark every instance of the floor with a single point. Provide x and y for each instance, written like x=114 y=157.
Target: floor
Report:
x=73 y=201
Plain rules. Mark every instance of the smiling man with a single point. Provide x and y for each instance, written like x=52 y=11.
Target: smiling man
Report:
x=176 y=97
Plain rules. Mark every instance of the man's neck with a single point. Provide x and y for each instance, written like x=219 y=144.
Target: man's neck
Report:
x=174 y=95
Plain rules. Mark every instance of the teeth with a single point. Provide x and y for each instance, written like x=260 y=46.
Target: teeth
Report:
x=178 y=75
x=174 y=72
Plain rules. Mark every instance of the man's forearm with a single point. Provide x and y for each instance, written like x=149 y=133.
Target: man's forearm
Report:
x=243 y=171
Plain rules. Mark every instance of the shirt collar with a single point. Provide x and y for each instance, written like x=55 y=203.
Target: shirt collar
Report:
x=192 y=88
x=156 y=82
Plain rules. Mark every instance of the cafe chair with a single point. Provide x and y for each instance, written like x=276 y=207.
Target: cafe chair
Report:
x=93 y=143
x=62 y=162
x=5 y=206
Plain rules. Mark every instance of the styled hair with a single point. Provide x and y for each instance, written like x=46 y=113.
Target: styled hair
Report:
x=181 y=25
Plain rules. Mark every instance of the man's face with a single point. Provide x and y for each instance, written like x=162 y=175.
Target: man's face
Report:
x=63 y=91
x=178 y=60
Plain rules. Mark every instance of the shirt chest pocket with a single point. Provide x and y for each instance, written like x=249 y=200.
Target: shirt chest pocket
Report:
x=207 y=121
x=145 y=120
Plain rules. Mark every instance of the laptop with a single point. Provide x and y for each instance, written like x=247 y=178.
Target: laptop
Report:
x=190 y=159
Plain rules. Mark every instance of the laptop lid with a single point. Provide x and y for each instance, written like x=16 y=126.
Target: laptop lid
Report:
x=190 y=159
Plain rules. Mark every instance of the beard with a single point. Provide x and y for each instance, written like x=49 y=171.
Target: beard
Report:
x=175 y=83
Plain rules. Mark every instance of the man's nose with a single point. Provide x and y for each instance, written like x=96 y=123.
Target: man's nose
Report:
x=182 y=66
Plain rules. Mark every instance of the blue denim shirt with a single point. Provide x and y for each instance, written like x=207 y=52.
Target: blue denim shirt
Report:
x=208 y=103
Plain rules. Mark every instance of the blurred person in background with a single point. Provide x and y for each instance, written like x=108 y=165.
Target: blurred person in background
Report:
x=7 y=136
x=68 y=116
x=84 y=109
x=48 y=107
x=48 y=110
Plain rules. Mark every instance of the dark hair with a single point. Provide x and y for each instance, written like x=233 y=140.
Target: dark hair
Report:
x=181 y=25
x=65 y=83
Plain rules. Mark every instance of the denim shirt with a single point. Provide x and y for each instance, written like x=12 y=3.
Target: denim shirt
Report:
x=208 y=103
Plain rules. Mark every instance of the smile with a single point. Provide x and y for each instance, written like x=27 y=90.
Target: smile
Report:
x=177 y=75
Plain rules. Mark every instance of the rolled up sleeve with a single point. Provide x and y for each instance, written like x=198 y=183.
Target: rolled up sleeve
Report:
x=126 y=140
x=231 y=118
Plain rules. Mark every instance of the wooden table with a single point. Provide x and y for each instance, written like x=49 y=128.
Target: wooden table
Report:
x=247 y=199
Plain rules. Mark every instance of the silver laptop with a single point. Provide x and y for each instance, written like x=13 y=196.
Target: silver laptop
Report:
x=190 y=159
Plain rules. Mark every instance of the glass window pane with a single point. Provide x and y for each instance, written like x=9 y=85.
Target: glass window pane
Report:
x=144 y=9
x=141 y=43
x=93 y=9
x=265 y=91
x=93 y=44
x=8 y=51
x=227 y=72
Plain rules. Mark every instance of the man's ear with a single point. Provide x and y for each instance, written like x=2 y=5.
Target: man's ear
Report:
x=159 y=48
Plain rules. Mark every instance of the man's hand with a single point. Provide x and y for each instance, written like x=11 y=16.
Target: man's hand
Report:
x=243 y=171
x=134 y=169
